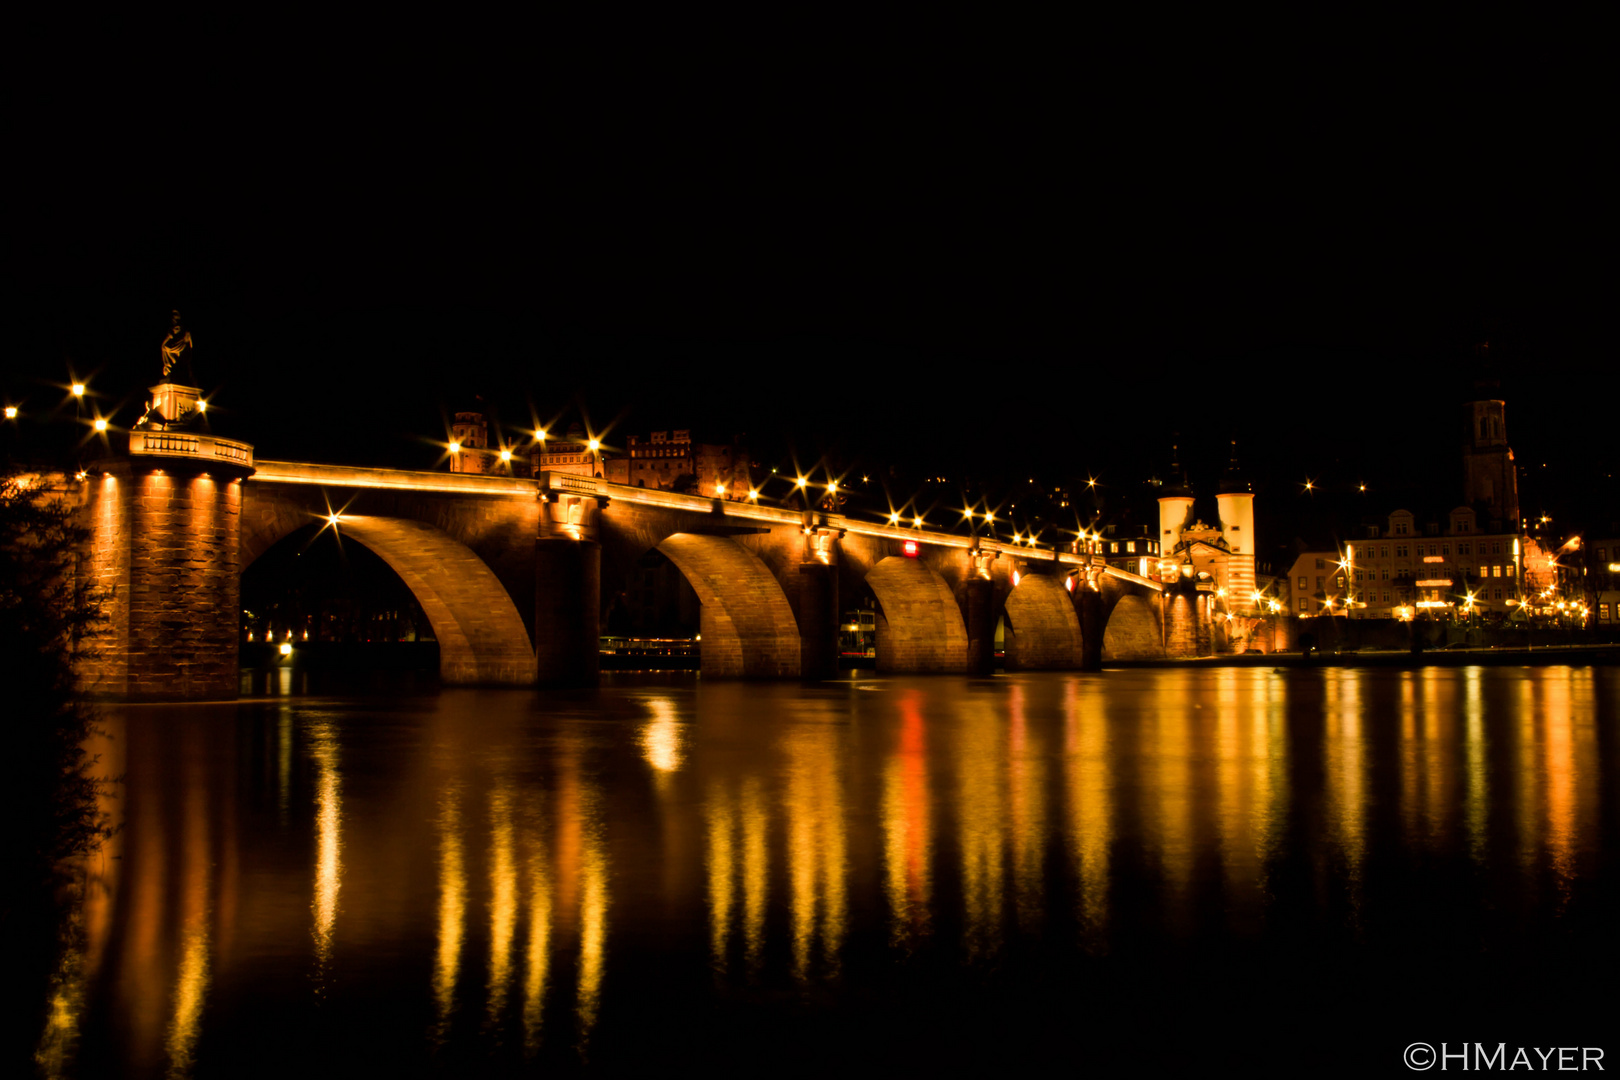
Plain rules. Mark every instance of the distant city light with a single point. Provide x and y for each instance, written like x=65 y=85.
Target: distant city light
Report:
x=1308 y=485
x=540 y=433
x=753 y=493
x=78 y=389
x=917 y=522
x=894 y=518
x=11 y=412
x=832 y=485
x=101 y=425
x=594 y=445
x=286 y=648
x=506 y=455
x=333 y=519
x=455 y=448
x=202 y=406
x=800 y=482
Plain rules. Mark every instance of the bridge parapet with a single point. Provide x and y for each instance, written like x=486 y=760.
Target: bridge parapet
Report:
x=193 y=446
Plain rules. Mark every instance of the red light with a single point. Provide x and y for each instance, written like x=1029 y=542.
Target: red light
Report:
x=911 y=549
x=1068 y=583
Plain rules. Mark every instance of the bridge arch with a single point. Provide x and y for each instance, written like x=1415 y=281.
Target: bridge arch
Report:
x=482 y=639
x=1133 y=631
x=919 y=624
x=1042 y=628
x=748 y=627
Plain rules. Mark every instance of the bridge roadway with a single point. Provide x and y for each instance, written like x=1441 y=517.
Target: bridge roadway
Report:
x=516 y=575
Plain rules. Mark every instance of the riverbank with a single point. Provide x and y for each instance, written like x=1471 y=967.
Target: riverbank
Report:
x=1399 y=658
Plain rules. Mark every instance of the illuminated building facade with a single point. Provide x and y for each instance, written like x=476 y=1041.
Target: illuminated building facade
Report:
x=1223 y=553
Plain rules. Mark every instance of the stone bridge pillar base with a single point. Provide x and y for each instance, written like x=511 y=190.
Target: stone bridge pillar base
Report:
x=818 y=621
x=979 y=612
x=163 y=552
x=567 y=611
x=1088 y=603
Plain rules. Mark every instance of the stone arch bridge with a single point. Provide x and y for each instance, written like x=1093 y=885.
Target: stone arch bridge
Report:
x=512 y=574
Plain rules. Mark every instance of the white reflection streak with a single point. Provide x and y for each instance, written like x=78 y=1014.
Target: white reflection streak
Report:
x=1478 y=781
x=328 y=842
x=661 y=737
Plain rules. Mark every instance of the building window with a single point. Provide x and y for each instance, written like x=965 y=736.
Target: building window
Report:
x=1496 y=571
x=1400 y=528
x=1318 y=582
x=1304 y=604
x=1384 y=574
x=1496 y=547
x=1321 y=564
x=1462 y=549
x=1340 y=581
x=1445 y=549
x=1130 y=547
x=1603 y=613
x=1304 y=582
x=1400 y=551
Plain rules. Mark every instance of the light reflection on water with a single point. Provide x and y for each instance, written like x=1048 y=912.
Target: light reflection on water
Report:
x=509 y=872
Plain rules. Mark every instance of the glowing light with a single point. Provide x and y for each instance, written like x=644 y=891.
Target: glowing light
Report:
x=101 y=425
x=1015 y=579
x=832 y=486
x=11 y=412
x=1068 y=583
x=719 y=488
x=333 y=519
x=78 y=391
x=1255 y=596
x=917 y=522
x=1309 y=486
x=1363 y=487
x=1091 y=482
x=753 y=493
x=286 y=648
x=910 y=548
x=506 y=455
x=540 y=434
x=80 y=475
x=967 y=513
x=202 y=406
x=800 y=482
x=894 y=518
x=988 y=516
x=455 y=448
x=593 y=445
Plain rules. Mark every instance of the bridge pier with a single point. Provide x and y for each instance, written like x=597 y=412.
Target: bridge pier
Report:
x=979 y=612
x=568 y=585
x=818 y=621
x=164 y=556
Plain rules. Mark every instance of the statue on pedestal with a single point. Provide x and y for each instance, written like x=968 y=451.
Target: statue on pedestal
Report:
x=177 y=354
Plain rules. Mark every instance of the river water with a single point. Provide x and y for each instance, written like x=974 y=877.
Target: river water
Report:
x=1291 y=873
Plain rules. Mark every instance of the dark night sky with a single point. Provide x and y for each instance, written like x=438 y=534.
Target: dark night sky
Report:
x=973 y=250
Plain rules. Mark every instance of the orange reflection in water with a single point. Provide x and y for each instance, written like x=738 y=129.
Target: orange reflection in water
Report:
x=756 y=869
x=814 y=805
x=538 y=959
x=1344 y=752
x=191 y=985
x=1026 y=775
x=1089 y=794
x=721 y=864
x=908 y=853
x=452 y=907
x=1170 y=743
x=503 y=897
x=981 y=814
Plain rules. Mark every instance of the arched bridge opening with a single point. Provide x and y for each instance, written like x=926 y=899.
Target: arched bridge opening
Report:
x=481 y=635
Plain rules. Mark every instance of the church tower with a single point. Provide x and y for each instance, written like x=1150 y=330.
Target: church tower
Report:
x=1490 y=479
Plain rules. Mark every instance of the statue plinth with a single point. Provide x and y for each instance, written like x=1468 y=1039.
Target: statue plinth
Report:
x=172 y=402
